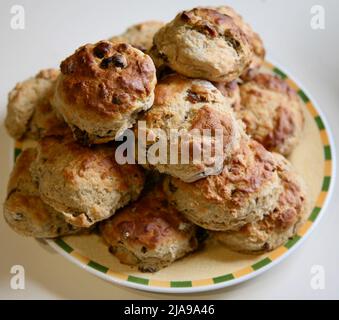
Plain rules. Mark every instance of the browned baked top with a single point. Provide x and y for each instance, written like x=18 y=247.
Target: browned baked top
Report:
x=107 y=77
x=81 y=160
x=213 y=23
x=174 y=84
x=272 y=112
x=291 y=204
x=273 y=83
x=147 y=222
x=248 y=169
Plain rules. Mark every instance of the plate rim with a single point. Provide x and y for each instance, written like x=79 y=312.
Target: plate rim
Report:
x=275 y=257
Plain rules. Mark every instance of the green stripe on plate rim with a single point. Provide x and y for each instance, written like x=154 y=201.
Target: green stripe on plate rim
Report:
x=63 y=245
x=138 y=280
x=326 y=183
x=97 y=266
x=261 y=263
x=224 y=278
x=290 y=243
x=280 y=73
x=181 y=284
x=303 y=96
x=319 y=123
x=328 y=152
x=314 y=214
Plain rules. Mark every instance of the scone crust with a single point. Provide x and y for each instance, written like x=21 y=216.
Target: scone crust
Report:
x=24 y=210
x=189 y=105
x=231 y=91
x=272 y=113
x=280 y=224
x=203 y=43
x=247 y=188
x=149 y=233
x=23 y=101
x=102 y=88
x=140 y=35
x=85 y=184
x=254 y=38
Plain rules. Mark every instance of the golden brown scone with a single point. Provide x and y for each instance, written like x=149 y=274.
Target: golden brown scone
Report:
x=140 y=35
x=245 y=191
x=85 y=184
x=272 y=113
x=280 y=224
x=203 y=43
x=190 y=106
x=23 y=102
x=23 y=209
x=253 y=38
x=150 y=233
x=102 y=88
x=231 y=92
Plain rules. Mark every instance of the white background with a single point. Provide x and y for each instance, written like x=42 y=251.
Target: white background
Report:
x=54 y=29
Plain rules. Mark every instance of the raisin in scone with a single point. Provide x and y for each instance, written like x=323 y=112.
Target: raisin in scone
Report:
x=246 y=189
x=280 y=224
x=203 y=43
x=102 y=88
x=253 y=38
x=85 y=184
x=150 y=233
x=24 y=211
x=190 y=108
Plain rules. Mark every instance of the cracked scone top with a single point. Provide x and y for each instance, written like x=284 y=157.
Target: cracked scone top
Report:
x=150 y=233
x=191 y=106
x=203 y=43
x=246 y=189
x=85 y=184
x=24 y=211
x=280 y=224
x=102 y=88
x=139 y=35
x=253 y=38
x=272 y=113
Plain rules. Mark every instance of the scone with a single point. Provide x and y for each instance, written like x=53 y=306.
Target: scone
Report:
x=102 y=88
x=189 y=106
x=272 y=113
x=245 y=191
x=203 y=43
x=150 y=233
x=253 y=38
x=280 y=224
x=24 y=211
x=231 y=92
x=85 y=184
x=29 y=114
x=140 y=35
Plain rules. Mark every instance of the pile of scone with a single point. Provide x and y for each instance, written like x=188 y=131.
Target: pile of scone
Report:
x=202 y=70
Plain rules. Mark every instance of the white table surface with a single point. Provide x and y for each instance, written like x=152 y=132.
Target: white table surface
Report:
x=55 y=29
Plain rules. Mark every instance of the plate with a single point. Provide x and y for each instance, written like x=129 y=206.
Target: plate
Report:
x=216 y=267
